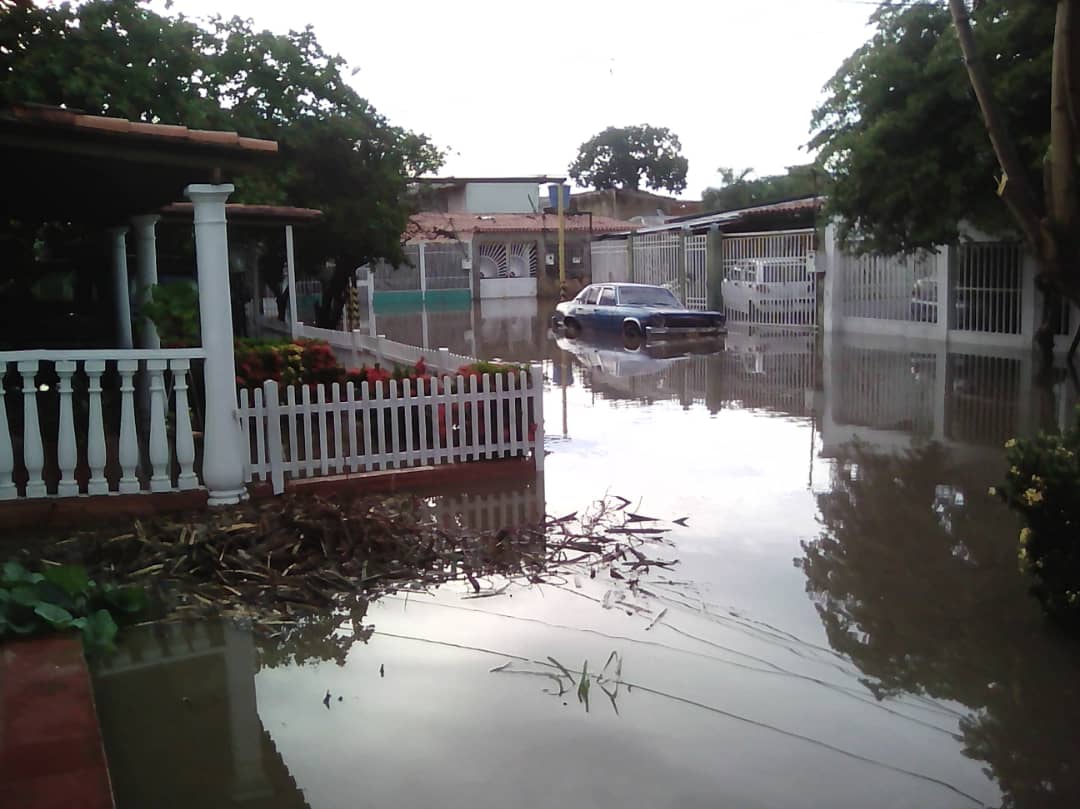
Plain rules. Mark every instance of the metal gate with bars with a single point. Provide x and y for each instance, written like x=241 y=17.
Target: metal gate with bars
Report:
x=765 y=278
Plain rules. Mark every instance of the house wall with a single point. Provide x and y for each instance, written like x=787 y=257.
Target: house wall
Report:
x=626 y=204
x=499 y=198
x=578 y=264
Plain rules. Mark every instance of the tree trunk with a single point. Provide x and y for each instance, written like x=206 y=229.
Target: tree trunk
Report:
x=1051 y=229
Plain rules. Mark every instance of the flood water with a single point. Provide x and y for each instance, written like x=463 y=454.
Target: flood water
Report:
x=846 y=626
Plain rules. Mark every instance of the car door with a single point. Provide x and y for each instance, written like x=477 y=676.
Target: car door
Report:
x=607 y=309
x=585 y=304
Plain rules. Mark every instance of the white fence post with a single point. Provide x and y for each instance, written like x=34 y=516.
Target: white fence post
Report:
x=833 y=283
x=160 y=479
x=290 y=271
x=96 y=453
x=537 y=396
x=129 y=442
x=271 y=396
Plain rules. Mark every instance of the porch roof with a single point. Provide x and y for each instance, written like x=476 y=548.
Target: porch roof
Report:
x=240 y=214
x=64 y=165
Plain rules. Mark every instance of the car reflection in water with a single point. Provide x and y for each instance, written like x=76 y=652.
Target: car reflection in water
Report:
x=630 y=356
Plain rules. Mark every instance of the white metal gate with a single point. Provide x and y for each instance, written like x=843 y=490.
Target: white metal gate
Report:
x=609 y=262
x=697 y=275
x=770 y=278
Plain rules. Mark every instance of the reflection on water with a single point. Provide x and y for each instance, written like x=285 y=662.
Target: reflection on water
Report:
x=898 y=662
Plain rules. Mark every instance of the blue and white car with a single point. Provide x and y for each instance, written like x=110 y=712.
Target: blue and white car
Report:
x=635 y=310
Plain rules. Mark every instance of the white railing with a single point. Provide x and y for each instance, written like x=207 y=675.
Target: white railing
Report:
x=904 y=287
x=70 y=422
x=317 y=430
x=383 y=349
x=609 y=262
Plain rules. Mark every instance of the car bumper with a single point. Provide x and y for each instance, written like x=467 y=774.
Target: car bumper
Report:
x=685 y=331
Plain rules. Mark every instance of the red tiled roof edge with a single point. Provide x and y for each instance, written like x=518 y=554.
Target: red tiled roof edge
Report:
x=69 y=119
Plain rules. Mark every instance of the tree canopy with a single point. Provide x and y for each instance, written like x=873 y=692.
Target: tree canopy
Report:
x=899 y=130
x=118 y=57
x=738 y=190
x=624 y=157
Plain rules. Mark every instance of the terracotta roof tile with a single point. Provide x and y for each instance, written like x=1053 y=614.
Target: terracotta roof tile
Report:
x=70 y=119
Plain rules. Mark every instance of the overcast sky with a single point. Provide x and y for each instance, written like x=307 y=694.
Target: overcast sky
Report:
x=514 y=88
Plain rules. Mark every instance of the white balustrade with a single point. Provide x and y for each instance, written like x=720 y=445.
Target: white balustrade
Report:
x=66 y=448
x=73 y=455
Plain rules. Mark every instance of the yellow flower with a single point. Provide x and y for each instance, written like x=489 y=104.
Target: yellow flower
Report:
x=1010 y=443
x=1025 y=536
x=1033 y=496
x=1014 y=470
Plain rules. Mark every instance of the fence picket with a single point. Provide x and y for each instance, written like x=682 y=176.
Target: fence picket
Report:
x=245 y=431
x=272 y=398
x=294 y=452
x=381 y=426
x=306 y=413
x=320 y=414
x=262 y=465
x=336 y=412
x=422 y=396
x=354 y=452
x=438 y=418
x=394 y=454
x=365 y=418
x=406 y=393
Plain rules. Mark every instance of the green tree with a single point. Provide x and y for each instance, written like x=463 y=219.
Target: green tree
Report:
x=908 y=152
x=622 y=157
x=738 y=190
x=339 y=154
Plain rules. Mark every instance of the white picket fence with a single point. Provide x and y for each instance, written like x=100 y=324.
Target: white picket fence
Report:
x=80 y=430
x=349 y=429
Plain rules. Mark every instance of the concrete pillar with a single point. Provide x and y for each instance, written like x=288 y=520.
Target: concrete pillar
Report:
x=121 y=295
x=830 y=300
x=223 y=446
x=146 y=272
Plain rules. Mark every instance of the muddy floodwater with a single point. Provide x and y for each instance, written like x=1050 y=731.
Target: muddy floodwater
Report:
x=846 y=627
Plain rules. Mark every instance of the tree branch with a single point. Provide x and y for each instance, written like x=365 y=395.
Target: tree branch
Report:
x=1015 y=187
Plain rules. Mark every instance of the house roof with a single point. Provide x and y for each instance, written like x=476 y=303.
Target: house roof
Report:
x=727 y=219
x=90 y=168
x=434 y=226
x=537 y=178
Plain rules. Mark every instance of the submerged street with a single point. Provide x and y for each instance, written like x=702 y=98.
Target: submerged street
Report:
x=845 y=625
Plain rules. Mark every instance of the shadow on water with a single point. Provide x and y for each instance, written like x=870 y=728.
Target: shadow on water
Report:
x=899 y=662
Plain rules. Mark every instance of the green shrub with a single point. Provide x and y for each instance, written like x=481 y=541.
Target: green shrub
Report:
x=174 y=310
x=63 y=597
x=1043 y=487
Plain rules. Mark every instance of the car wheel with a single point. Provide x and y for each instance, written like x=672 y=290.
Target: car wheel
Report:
x=631 y=330
x=571 y=326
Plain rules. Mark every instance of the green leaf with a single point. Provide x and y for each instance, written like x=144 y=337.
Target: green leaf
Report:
x=100 y=630
x=15 y=573
x=25 y=596
x=71 y=578
x=127 y=599
x=58 y=617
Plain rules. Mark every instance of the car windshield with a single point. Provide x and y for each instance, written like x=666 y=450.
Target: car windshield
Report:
x=647 y=296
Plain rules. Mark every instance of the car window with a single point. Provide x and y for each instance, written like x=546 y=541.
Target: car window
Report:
x=607 y=297
x=647 y=296
x=593 y=296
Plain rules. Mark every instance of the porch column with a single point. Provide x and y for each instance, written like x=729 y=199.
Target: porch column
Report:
x=223 y=446
x=146 y=272
x=121 y=295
